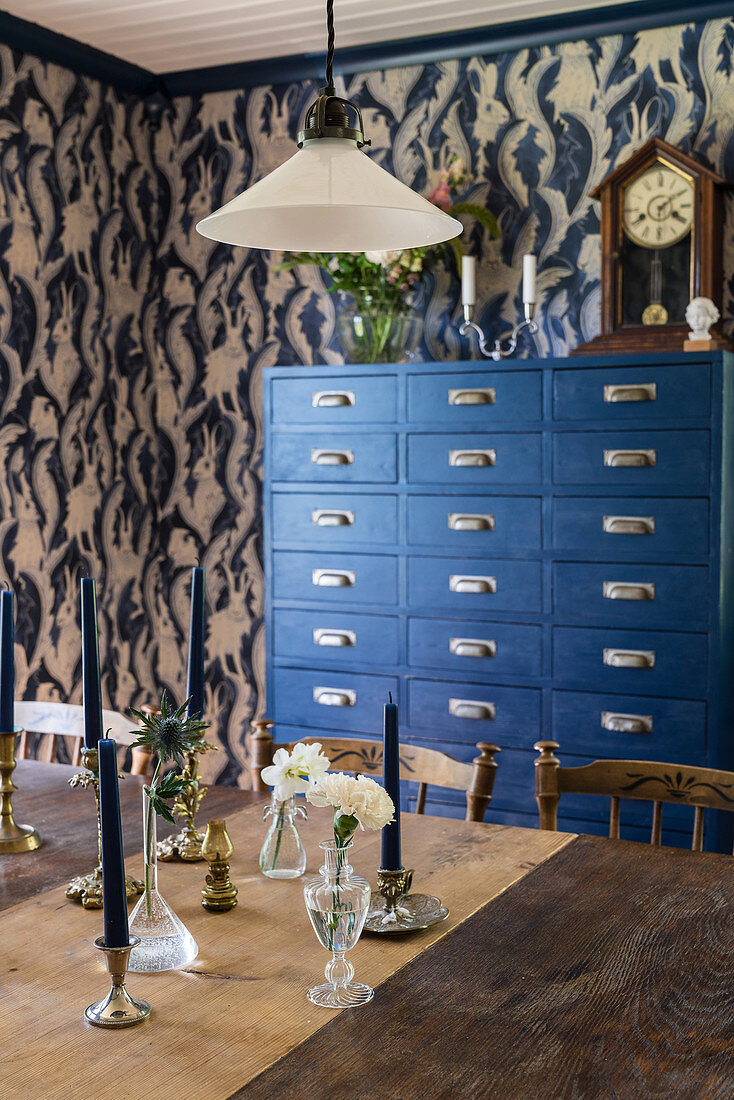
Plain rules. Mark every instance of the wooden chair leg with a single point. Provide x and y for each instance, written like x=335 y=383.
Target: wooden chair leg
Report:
x=479 y=795
x=697 y=843
x=657 y=824
x=547 y=794
x=261 y=751
x=76 y=756
x=22 y=749
x=141 y=759
x=614 y=818
x=420 y=802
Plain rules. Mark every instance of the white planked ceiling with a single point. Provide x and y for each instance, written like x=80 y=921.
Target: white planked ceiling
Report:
x=168 y=35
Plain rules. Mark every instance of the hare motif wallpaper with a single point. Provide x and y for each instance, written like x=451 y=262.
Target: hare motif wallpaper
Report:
x=131 y=348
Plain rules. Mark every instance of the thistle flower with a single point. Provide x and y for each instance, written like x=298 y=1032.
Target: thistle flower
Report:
x=171 y=733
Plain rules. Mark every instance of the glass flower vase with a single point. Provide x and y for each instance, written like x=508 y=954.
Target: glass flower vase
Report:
x=165 y=941
x=282 y=854
x=337 y=905
x=375 y=329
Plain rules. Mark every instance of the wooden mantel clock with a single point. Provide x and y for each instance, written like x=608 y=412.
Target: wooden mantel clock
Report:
x=662 y=220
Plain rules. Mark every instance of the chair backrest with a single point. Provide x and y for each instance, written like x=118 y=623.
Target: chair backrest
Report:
x=645 y=780
x=419 y=765
x=54 y=721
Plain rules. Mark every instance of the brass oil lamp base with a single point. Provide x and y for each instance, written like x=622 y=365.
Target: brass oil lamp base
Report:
x=395 y=910
x=88 y=888
x=118 y=1008
x=13 y=837
x=220 y=893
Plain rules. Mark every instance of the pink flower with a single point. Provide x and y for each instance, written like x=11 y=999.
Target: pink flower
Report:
x=440 y=196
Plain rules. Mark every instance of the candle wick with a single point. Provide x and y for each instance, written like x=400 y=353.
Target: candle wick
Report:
x=389 y=695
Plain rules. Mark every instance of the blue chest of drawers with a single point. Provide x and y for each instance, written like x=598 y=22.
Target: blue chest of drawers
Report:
x=532 y=550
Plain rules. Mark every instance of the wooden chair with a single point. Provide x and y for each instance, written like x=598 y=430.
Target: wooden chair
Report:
x=642 y=780
x=418 y=765
x=53 y=722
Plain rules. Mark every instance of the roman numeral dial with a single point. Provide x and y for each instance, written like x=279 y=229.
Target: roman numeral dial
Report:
x=657 y=207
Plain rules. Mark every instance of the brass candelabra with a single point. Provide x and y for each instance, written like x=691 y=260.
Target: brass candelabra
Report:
x=395 y=909
x=13 y=837
x=187 y=842
x=88 y=888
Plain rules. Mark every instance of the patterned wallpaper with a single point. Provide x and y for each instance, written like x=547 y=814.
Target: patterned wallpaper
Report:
x=131 y=349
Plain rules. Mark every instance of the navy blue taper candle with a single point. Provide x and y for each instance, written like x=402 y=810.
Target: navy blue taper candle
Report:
x=114 y=896
x=391 y=771
x=91 y=683
x=7 y=663
x=195 y=670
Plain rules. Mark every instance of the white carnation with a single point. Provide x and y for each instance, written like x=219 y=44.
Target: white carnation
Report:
x=361 y=798
x=293 y=772
x=385 y=259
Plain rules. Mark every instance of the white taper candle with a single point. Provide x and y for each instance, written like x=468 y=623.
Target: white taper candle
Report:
x=528 y=278
x=468 y=280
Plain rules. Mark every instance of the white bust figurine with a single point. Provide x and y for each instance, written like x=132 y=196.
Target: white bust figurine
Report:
x=701 y=314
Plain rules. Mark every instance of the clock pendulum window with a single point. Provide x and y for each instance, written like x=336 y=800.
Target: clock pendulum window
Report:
x=655 y=246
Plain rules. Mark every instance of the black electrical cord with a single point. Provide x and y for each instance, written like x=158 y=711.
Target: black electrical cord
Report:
x=330 y=43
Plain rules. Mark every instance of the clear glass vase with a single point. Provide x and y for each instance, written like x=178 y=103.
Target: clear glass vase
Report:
x=337 y=905
x=282 y=854
x=165 y=941
x=373 y=329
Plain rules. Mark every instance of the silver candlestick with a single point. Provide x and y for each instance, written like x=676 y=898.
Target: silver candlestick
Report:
x=498 y=352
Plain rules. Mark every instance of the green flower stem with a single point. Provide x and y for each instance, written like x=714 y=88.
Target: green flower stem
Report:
x=279 y=836
x=149 y=820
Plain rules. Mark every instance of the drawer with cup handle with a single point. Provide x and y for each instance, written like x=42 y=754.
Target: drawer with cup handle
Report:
x=468 y=523
x=474 y=712
x=474 y=584
x=625 y=459
x=334 y=520
x=334 y=456
x=642 y=528
x=484 y=649
x=512 y=458
x=642 y=727
x=476 y=398
x=631 y=595
x=654 y=662
x=338 y=402
x=335 y=637
x=330 y=699
x=335 y=578
x=645 y=392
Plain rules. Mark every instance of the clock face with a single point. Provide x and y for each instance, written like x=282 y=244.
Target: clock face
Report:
x=657 y=209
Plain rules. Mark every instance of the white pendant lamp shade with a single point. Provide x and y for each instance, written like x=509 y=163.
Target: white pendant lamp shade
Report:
x=329 y=197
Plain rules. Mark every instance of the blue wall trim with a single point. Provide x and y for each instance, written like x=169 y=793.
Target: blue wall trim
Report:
x=27 y=37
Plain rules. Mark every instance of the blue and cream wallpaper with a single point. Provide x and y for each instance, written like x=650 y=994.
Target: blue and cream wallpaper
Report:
x=131 y=349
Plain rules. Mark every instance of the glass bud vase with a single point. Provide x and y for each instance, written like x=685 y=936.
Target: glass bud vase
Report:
x=337 y=905
x=282 y=854
x=165 y=941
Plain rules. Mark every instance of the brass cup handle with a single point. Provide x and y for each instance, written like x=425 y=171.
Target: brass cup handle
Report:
x=628 y=590
x=482 y=395
x=480 y=456
x=626 y=723
x=616 y=457
x=334 y=697
x=634 y=391
x=324 y=517
x=629 y=658
x=462 y=583
x=336 y=638
x=472 y=647
x=471 y=708
x=323 y=457
x=464 y=521
x=628 y=525
x=333 y=399
x=333 y=578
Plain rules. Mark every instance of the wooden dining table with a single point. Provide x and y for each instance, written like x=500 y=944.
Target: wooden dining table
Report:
x=569 y=967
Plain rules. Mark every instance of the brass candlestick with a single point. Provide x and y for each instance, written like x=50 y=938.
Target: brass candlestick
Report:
x=88 y=888
x=397 y=910
x=219 y=894
x=186 y=844
x=13 y=838
x=118 y=1008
